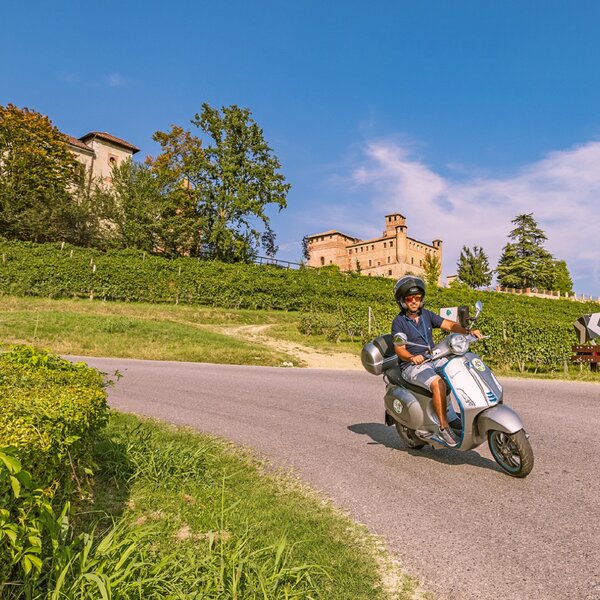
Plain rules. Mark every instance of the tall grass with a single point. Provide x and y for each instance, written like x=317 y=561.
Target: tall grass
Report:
x=175 y=514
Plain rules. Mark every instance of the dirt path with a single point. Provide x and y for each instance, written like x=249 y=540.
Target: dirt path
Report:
x=306 y=356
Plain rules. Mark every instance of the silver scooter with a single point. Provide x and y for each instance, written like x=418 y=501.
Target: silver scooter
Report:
x=471 y=383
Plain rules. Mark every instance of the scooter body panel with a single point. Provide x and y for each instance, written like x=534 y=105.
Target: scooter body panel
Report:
x=414 y=411
x=402 y=405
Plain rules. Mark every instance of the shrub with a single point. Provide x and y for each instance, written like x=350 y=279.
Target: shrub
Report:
x=51 y=411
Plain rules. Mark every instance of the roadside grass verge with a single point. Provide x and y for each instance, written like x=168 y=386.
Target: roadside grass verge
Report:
x=178 y=332
x=202 y=519
x=145 y=331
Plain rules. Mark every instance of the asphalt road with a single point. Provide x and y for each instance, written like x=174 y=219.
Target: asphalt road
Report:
x=467 y=530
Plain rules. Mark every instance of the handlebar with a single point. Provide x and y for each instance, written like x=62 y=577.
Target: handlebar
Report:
x=473 y=338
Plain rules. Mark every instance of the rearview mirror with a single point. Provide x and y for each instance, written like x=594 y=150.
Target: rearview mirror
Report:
x=463 y=316
x=478 y=308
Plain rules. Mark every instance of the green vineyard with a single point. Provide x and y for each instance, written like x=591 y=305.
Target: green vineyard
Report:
x=527 y=334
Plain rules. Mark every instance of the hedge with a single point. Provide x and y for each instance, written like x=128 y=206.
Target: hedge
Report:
x=50 y=412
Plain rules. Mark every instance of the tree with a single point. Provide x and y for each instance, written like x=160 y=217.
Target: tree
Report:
x=138 y=206
x=217 y=194
x=474 y=268
x=88 y=217
x=305 y=249
x=432 y=268
x=562 y=281
x=525 y=263
x=38 y=173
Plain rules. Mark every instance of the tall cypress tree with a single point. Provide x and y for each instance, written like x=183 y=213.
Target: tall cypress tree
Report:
x=525 y=263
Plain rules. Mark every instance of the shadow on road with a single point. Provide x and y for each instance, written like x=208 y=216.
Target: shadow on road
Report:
x=387 y=436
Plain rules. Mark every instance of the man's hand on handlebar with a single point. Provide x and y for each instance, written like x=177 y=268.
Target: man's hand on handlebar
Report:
x=417 y=360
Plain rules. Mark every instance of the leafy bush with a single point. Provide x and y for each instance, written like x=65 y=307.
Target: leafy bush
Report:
x=51 y=412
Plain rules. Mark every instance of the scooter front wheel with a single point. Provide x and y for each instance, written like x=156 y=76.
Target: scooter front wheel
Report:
x=512 y=451
x=409 y=437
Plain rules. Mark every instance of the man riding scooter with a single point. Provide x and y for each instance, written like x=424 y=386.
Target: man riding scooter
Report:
x=414 y=327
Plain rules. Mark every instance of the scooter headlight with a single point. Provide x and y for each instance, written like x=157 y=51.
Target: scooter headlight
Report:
x=458 y=343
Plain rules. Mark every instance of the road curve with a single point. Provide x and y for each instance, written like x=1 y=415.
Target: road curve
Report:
x=453 y=519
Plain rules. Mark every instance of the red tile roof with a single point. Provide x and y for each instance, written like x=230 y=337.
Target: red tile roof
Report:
x=73 y=141
x=110 y=138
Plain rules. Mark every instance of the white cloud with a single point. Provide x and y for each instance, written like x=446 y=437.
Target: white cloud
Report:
x=562 y=190
x=116 y=80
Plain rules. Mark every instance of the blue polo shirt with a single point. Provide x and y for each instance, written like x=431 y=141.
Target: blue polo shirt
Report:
x=420 y=333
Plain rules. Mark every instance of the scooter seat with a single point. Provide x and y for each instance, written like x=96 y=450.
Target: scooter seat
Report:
x=394 y=376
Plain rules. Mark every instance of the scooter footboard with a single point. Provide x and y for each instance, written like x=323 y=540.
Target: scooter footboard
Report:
x=498 y=418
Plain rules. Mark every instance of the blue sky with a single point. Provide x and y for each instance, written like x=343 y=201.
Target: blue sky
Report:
x=457 y=114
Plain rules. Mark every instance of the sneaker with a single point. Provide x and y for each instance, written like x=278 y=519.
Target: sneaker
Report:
x=448 y=437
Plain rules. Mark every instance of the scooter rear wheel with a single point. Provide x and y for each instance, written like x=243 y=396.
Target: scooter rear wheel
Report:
x=409 y=437
x=512 y=451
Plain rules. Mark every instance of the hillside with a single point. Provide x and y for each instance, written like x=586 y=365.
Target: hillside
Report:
x=527 y=333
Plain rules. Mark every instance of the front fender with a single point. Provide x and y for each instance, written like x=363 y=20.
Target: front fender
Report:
x=499 y=418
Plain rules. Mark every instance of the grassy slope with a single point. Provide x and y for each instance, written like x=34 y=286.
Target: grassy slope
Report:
x=201 y=497
x=186 y=333
x=129 y=330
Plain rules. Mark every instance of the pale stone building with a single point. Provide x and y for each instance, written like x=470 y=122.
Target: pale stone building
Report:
x=99 y=152
x=392 y=255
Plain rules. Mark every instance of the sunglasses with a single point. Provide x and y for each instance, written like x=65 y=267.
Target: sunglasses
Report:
x=413 y=298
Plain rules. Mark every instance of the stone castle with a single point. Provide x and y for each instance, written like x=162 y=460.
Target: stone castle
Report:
x=392 y=255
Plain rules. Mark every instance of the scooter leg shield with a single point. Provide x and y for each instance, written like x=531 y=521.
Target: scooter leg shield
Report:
x=499 y=418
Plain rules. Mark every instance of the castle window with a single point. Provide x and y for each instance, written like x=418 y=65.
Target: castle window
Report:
x=412 y=260
x=369 y=263
x=391 y=244
x=362 y=248
x=378 y=263
x=372 y=246
x=420 y=263
x=384 y=245
x=390 y=272
x=389 y=259
x=350 y=251
x=322 y=260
